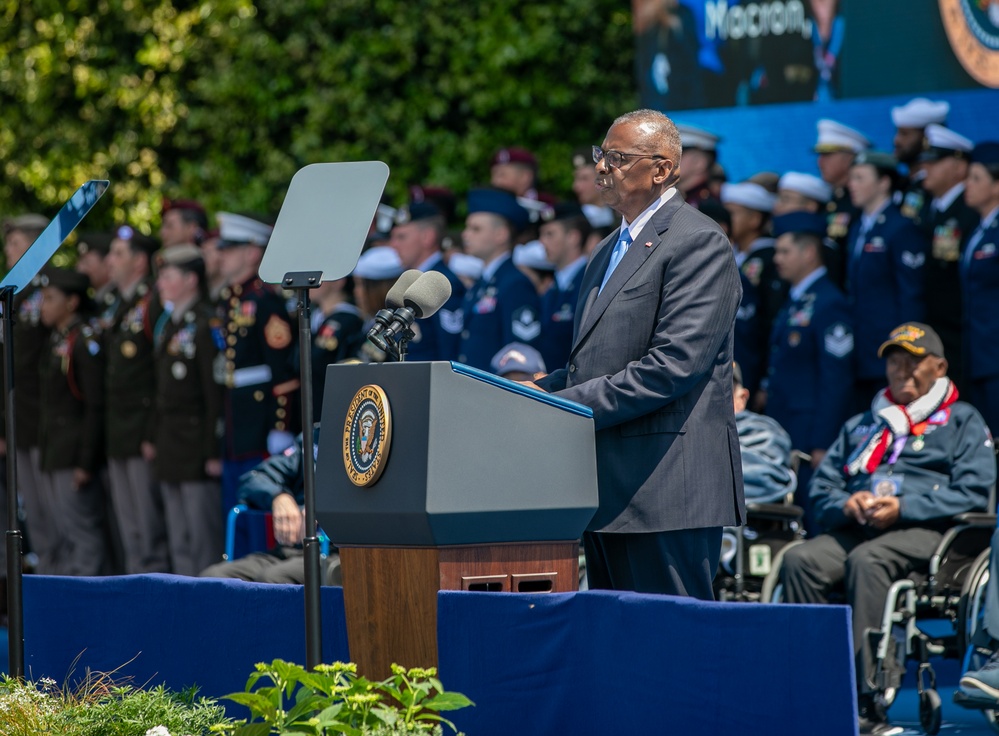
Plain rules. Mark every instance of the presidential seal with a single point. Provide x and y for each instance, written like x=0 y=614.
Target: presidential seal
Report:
x=973 y=31
x=367 y=436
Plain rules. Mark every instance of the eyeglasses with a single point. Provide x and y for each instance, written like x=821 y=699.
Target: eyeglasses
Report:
x=615 y=159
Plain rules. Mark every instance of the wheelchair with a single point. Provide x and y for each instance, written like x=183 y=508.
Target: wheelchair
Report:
x=949 y=594
x=749 y=553
x=976 y=656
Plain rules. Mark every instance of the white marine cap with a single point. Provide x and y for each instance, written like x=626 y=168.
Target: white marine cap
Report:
x=532 y=255
x=811 y=186
x=919 y=113
x=465 y=265
x=835 y=136
x=691 y=137
x=942 y=142
x=378 y=264
x=242 y=230
x=748 y=195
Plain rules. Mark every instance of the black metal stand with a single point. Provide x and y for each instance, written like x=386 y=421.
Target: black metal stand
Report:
x=15 y=599
x=302 y=282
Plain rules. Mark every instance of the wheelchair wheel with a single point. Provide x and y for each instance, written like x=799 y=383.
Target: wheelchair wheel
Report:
x=929 y=711
x=773 y=590
x=972 y=601
x=992 y=718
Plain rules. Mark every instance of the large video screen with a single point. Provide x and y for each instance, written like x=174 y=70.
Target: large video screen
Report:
x=694 y=54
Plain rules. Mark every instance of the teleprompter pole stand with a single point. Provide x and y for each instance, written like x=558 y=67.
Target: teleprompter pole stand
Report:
x=302 y=282
x=15 y=598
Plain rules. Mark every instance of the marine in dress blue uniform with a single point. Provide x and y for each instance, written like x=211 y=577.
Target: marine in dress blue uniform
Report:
x=980 y=284
x=563 y=233
x=256 y=363
x=885 y=276
x=417 y=235
x=502 y=307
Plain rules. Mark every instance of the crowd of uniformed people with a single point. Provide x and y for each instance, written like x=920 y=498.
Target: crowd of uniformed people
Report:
x=161 y=370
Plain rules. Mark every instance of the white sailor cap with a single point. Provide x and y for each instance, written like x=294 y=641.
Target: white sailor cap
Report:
x=242 y=230
x=941 y=142
x=835 y=136
x=749 y=195
x=532 y=255
x=919 y=113
x=810 y=186
x=691 y=137
x=465 y=265
x=378 y=264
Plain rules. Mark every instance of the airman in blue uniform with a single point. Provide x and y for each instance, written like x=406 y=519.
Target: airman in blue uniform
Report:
x=417 y=235
x=885 y=277
x=980 y=283
x=502 y=307
x=564 y=231
x=810 y=386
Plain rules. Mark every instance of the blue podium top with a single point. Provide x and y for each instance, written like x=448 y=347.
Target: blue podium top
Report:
x=513 y=387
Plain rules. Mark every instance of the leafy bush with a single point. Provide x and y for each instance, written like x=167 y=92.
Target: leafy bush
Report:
x=335 y=700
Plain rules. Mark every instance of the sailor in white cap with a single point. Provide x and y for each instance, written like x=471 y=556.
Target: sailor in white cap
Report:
x=948 y=221
x=261 y=393
x=700 y=152
x=750 y=207
x=467 y=268
x=910 y=122
x=836 y=146
x=375 y=274
x=532 y=261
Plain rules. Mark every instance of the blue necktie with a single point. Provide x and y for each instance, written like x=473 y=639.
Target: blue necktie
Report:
x=616 y=255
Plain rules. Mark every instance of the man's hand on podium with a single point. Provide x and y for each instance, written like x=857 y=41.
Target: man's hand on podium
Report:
x=532 y=384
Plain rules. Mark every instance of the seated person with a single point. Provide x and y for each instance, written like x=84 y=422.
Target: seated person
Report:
x=517 y=362
x=766 y=450
x=983 y=684
x=887 y=490
x=278 y=484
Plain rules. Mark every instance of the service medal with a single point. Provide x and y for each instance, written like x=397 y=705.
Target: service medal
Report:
x=179 y=370
x=128 y=349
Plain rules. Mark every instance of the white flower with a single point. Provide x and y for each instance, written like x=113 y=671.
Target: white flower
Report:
x=158 y=731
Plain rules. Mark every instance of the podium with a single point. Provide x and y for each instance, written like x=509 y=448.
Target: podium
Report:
x=437 y=476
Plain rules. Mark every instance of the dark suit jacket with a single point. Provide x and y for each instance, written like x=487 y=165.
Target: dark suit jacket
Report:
x=652 y=356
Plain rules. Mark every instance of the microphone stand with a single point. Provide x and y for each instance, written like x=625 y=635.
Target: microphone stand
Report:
x=15 y=599
x=302 y=281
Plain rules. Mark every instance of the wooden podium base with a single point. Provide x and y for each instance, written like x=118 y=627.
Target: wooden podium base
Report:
x=390 y=593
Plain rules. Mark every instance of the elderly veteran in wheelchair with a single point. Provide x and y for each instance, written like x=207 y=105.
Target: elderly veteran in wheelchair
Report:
x=887 y=491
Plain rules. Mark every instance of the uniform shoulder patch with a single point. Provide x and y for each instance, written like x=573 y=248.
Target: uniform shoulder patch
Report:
x=277 y=333
x=838 y=340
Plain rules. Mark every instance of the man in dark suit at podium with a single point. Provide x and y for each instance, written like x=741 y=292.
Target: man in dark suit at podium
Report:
x=652 y=356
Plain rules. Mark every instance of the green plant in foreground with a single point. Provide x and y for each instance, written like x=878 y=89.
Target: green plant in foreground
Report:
x=335 y=700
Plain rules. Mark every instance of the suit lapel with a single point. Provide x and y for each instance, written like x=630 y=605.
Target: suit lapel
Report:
x=641 y=249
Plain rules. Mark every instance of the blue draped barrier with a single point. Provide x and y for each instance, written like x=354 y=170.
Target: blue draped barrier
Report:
x=170 y=629
x=621 y=663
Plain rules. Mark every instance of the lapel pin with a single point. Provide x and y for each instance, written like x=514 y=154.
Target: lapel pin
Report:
x=649 y=244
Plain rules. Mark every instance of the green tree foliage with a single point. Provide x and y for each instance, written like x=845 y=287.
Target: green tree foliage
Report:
x=223 y=100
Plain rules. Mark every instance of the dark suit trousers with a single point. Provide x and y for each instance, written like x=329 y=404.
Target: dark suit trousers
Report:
x=681 y=562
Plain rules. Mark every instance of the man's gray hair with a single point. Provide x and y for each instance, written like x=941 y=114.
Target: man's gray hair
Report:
x=659 y=133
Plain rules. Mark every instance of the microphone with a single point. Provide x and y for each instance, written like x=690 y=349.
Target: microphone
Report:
x=393 y=300
x=422 y=299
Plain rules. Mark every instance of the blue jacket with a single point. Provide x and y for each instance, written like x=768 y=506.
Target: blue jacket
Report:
x=558 y=311
x=499 y=311
x=951 y=473
x=748 y=336
x=439 y=336
x=811 y=366
x=885 y=283
x=979 y=286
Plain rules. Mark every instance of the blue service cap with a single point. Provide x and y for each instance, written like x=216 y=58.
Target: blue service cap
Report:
x=517 y=357
x=986 y=153
x=498 y=202
x=800 y=222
